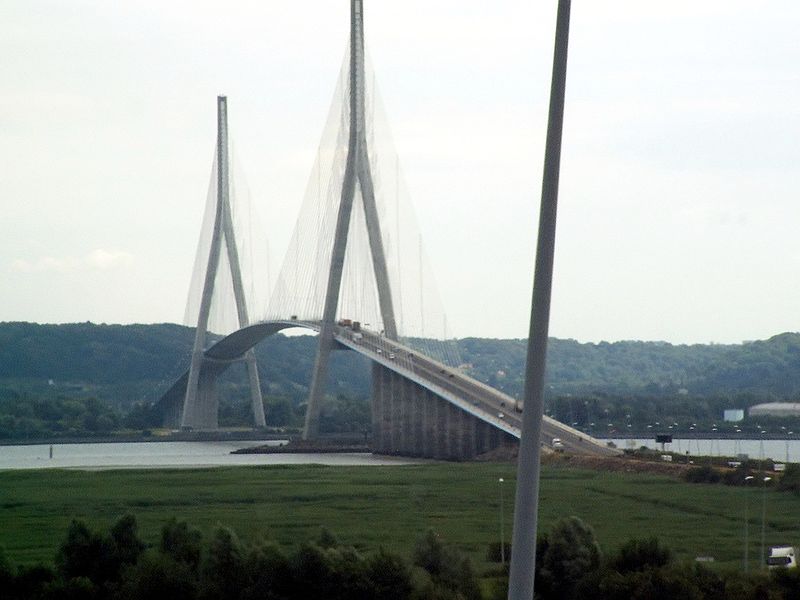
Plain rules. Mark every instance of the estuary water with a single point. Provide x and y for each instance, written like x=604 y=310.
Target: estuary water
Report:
x=163 y=455
x=778 y=450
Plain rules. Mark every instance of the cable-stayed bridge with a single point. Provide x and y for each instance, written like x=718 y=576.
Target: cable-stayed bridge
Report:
x=355 y=272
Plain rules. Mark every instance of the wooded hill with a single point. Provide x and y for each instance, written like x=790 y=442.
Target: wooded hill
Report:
x=127 y=363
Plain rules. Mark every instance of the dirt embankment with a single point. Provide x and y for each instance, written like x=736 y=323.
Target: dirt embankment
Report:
x=622 y=463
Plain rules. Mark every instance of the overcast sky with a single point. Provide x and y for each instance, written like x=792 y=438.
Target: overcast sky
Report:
x=679 y=198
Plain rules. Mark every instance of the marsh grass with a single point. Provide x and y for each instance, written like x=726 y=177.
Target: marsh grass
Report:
x=370 y=507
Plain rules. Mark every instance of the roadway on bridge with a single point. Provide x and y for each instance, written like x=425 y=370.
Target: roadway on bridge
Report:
x=483 y=401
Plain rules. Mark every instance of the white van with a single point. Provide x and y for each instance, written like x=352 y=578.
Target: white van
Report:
x=781 y=556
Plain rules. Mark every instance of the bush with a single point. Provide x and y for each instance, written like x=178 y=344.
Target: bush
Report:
x=638 y=555
x=493 y=553
x=704 y=474
x=737 y=476
x=790 y=480
x=448 y=568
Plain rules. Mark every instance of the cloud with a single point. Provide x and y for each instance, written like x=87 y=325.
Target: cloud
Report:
x=96 y=260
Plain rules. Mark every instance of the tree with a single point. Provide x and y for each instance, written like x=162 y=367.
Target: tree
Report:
x=572 y=552
x=389 y=576
x=638 y=555
x=268 y=574
x=158 y=577
x=125 y=541
x=312 y=572
x=663 y=583
x=83 y=554
x=447 y=567
x=31 y=582
x=326 y=538
x=221 y=572
x=182 y=543
x=77 y=588
x=429 y=553
x=280 y=412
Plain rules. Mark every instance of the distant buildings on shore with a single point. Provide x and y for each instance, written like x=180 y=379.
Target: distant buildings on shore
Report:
x=774 y=409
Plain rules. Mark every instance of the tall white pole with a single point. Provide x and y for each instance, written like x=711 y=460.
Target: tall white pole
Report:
x=764 y=520
x=502 y=527
x=526 y=507
x=746 y=525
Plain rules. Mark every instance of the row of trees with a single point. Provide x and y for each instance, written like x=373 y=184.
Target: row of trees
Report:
x=117 y=564
x=184 y=566
x=570 y=566
x=25 y=417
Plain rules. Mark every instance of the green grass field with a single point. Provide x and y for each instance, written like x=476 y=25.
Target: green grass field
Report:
x=389 y=506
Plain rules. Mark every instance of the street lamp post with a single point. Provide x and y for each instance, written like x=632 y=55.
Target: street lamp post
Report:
x=746 y=525
x=764 y=520
x=502 y=527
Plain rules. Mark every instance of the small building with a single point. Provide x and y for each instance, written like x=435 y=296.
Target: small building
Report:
x=733 y=415
x=775 y=409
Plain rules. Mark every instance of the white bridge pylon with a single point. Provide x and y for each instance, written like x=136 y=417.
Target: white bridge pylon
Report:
x=356 y=251
x=223 y=266
x=372 y=210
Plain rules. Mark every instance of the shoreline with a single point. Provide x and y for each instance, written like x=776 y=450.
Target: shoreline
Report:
x=182 y=436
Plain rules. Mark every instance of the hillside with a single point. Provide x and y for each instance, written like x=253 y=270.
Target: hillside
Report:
x=124 y=364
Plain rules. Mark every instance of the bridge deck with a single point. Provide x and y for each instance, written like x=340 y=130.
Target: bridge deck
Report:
x=480 y=400
x=472 y=396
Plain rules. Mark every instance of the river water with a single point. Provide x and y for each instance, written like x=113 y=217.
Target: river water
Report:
x=161 y=455
x=778 y=450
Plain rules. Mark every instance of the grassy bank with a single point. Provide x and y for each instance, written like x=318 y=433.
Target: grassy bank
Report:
x=391 y=507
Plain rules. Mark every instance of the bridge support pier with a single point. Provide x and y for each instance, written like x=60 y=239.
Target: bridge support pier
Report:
x=410 y=420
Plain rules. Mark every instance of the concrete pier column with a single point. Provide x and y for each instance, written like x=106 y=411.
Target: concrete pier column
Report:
x=418 y=424
x=397 y=413
x=409 y=419
x=470 y=433
x=407 y=415
x=429 y=424
x=386 y=423
x=207 y=404
x=376 y=405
